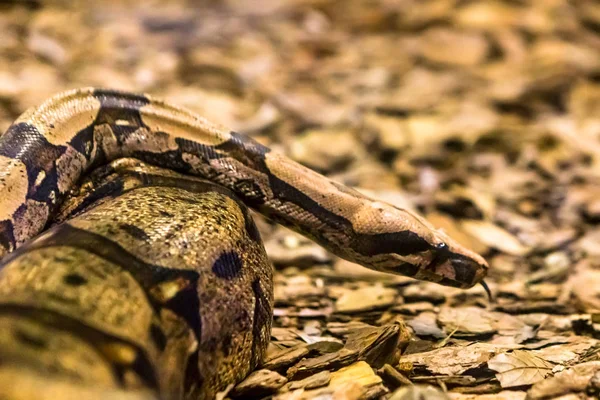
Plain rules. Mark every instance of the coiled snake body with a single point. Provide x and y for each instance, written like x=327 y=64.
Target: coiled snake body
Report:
x=156 y=269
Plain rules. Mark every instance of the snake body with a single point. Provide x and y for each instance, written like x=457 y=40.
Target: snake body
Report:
x=196 y=286
x=48 y=148
x=101 y=306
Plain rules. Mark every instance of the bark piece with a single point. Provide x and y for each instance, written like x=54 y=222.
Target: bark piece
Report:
x=259 y=383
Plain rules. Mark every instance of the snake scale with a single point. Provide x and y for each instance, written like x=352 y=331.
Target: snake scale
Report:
x=147 y=278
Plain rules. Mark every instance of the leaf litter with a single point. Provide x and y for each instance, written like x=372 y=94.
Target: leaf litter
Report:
x=483 y=115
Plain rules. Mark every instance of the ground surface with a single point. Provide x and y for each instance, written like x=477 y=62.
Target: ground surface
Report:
x=482 y=115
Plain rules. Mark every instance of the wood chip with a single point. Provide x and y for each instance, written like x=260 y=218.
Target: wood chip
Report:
x=259 y=383
x=359 y=372
x=488 y=124
x=365 y=299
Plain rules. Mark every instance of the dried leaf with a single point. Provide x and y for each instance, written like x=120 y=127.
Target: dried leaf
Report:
x=573 y=380
x=495 y=237
x=519 y=368
x=453 y=360
x=472 y=321
x=368 y=298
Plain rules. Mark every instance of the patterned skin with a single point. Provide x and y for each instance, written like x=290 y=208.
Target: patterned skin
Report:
x=46 y=151
x=157 y=286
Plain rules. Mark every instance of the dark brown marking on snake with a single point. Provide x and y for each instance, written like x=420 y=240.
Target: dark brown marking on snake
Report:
x=24 y=142
x=402 y=243
x=171 y=159
x=135 y=231
x=198 y=149
x=261 y=318
x=193 y=375
x=117 y=106
x=142 y=365
x=186 y=304
x=82 y=143
x=158 y=337
x=73 y=279
x=228 y=265
x=249 y=190
x=7 y=239
x=29 y=339
x=249 y=225
x=405 y=268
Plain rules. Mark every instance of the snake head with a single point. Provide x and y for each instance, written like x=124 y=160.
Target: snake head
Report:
x=398 y=241
x=452 y=264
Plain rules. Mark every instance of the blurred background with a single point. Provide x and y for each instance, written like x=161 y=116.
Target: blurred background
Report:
x=482 y=115
x=476 y=110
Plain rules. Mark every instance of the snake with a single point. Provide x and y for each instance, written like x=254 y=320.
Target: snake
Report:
x=124 y=219
x=110 y=303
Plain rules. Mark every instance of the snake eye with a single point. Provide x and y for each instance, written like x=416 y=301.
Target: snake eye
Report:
x=441 y=246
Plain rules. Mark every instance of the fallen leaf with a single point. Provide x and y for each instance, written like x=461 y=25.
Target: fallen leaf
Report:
x=467 y=321
x=453 y=360
x=368 y=298
x=570 y=381
x=425 y=324
x=519 y=368
x=495 y=237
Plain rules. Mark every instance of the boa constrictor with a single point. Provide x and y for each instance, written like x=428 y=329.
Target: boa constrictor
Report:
x=157 y=285
x=49 y=149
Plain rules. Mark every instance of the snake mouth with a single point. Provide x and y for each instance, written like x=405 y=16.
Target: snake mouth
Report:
x=452 y=269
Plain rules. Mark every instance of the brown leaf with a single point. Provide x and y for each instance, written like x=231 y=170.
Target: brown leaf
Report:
x=453 y=360
x=495 y=237
x=519 y=368
x=573 y=380
x=368 y=298
x=471 y=321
